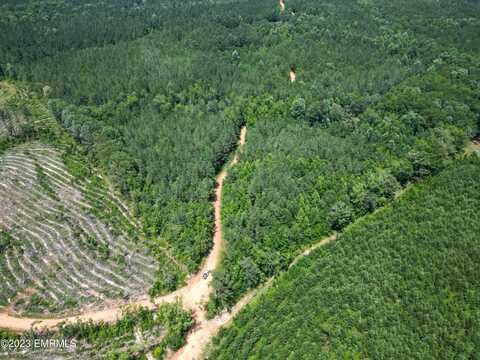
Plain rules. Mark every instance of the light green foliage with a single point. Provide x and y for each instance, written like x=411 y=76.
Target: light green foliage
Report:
x=136 y=333
x=155 y=92
x=297 y=183
x=401 y=283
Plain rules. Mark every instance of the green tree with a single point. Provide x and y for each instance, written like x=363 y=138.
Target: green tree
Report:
x=298 y=108
x=340 y=215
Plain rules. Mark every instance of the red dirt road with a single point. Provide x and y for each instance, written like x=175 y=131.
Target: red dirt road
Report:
x=193 y=295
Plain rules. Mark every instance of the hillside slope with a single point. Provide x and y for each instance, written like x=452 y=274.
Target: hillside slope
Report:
x=66 y=240
x=60 y=250
x=348 y=103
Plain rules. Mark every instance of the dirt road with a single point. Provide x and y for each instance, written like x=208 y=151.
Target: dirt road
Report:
x=193 y=295
x=198 y=290
x=292 y=76
x=204 y=331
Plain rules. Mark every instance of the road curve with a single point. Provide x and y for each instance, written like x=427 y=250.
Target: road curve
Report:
x=204 y=330
x=193 y=295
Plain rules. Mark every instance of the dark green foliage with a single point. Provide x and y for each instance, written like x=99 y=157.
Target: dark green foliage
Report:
x=164 y=161
x=298 y=183
x=6 y=241
x=298 y=109
x=31 y=30
x=44 y=182
x=402 y=283
x=340 y=215
x=156 y=91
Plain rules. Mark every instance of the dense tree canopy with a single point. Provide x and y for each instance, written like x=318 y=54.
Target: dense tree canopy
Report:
x=401 y=283
x=156 y=92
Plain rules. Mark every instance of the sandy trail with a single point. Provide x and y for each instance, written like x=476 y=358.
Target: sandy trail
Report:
x=198 y=290
x=312 y=248
x=193 y=295
x=203 y=332
x=292 y=76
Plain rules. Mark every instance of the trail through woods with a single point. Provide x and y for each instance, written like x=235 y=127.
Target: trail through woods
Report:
x=204 y=331
x=193 y=295
x=293 y=76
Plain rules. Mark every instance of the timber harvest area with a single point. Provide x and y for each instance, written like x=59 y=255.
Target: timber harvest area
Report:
x=193 y=295
x=280 y=179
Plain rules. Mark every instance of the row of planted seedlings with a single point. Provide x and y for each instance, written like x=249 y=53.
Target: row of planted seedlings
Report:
x=69 y=231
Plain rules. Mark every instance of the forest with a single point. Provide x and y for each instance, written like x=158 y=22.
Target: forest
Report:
x=159 y=105
x=399 y=284
x=66 y=237
x=338 y=173
x=153 y=94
